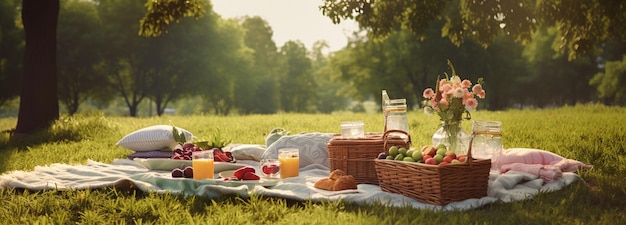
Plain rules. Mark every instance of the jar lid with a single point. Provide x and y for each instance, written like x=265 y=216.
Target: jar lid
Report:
x=487 y=127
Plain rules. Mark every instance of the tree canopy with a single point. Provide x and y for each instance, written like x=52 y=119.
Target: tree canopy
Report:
x=582 y=24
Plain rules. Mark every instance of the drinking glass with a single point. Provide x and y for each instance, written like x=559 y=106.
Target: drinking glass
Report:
x=270 y=168
x=352 y=129
x=202 y=164
x=289 y=162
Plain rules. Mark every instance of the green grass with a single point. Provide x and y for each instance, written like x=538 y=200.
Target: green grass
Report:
x=593 y=134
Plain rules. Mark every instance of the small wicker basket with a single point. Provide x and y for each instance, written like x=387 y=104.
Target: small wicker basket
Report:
x=355 y=156
x=435 y=184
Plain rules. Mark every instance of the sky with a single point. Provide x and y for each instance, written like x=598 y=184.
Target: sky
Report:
x=291 y=20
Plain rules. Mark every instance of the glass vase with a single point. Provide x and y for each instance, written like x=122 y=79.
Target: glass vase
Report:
x=453 y=136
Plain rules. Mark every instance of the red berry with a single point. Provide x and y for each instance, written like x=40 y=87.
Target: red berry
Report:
x=177 y=172
x=239 y=173
x=270 y=169
x=250 y=176
x=188 y=172
x=220 y=157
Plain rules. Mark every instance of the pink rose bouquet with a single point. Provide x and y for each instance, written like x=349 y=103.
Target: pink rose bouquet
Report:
x=452 y=98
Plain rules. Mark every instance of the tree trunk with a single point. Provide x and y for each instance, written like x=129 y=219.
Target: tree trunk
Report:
x=39 y=105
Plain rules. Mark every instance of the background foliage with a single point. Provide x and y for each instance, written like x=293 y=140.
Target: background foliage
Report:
x=218 y=66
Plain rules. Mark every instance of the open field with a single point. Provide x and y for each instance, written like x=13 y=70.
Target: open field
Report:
x=593 y=134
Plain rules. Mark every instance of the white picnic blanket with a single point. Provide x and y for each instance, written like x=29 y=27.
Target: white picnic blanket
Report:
x=125 y=173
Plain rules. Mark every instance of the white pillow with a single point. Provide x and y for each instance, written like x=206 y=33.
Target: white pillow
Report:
x=152 y=138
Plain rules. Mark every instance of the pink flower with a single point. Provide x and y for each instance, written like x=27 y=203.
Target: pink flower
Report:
x=446 y=88
x=466 y=84
x=444 y=101
x=429 y=93
x=481 y=94
x=471 y=103
x=434 y=104
x=467 y=95
x=442 y=82
x=477 y=88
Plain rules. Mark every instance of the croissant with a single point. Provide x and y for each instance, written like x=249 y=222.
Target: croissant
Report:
x=337 y=181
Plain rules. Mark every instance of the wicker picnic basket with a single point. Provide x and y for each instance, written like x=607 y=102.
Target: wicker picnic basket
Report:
x=355 y=156
x=435 y=184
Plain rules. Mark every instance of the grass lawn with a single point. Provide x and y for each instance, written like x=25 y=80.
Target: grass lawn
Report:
x=593 y=134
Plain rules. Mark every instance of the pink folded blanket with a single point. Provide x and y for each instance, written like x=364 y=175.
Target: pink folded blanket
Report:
x=547 y=165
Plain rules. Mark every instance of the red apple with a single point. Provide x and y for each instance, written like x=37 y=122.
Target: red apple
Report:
x=451 y=153
x=429 y=150
x=448 y=158
x=461 y=158
x=425 y=157
x=431 y=161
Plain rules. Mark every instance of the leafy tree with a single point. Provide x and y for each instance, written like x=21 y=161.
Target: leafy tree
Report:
x=38 y=109
x=262 y=80
x=552 y=78
x=125 y=50
x=297 y=85
x=10 y=51
x=611 y=83
x=583 y=25
x=78 y=41
x=228 y=68
x=177 y=61
x=327 y=99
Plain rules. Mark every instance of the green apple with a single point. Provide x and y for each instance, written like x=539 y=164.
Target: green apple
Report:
x=393 y=151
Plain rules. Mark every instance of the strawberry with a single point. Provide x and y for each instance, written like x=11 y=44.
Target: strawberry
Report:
x=251 y=176
x=220 y=157
x=241 y=171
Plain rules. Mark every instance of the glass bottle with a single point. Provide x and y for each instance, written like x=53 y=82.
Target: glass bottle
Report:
x=384 y=104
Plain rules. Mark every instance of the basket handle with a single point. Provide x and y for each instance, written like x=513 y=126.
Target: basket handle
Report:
x=469 y=151
x=386 y=137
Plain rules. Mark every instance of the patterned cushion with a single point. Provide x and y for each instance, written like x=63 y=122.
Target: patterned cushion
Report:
x=151 y=154
x=157 y=137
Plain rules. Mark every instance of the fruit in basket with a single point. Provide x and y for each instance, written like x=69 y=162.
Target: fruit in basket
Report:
x=429 y=150
x=438 y=158
x=408 y=159
x=399 y=157
x=402 y=151
x=441 y=151
x=417 y=156
x=431 y=161
x=393 y=151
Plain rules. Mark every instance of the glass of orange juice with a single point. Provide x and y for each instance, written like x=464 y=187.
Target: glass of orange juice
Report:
x=202 y=164
x=289 y=159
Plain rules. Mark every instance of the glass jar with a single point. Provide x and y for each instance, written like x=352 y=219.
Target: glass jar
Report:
x=487 y=143
x=395 y=115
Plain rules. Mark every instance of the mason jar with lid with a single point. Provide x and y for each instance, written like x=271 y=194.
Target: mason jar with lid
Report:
x=487 y=143
x=396 y=117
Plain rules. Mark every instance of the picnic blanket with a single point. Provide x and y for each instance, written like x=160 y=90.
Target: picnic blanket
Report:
x=528 y=172
x=125 y=173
